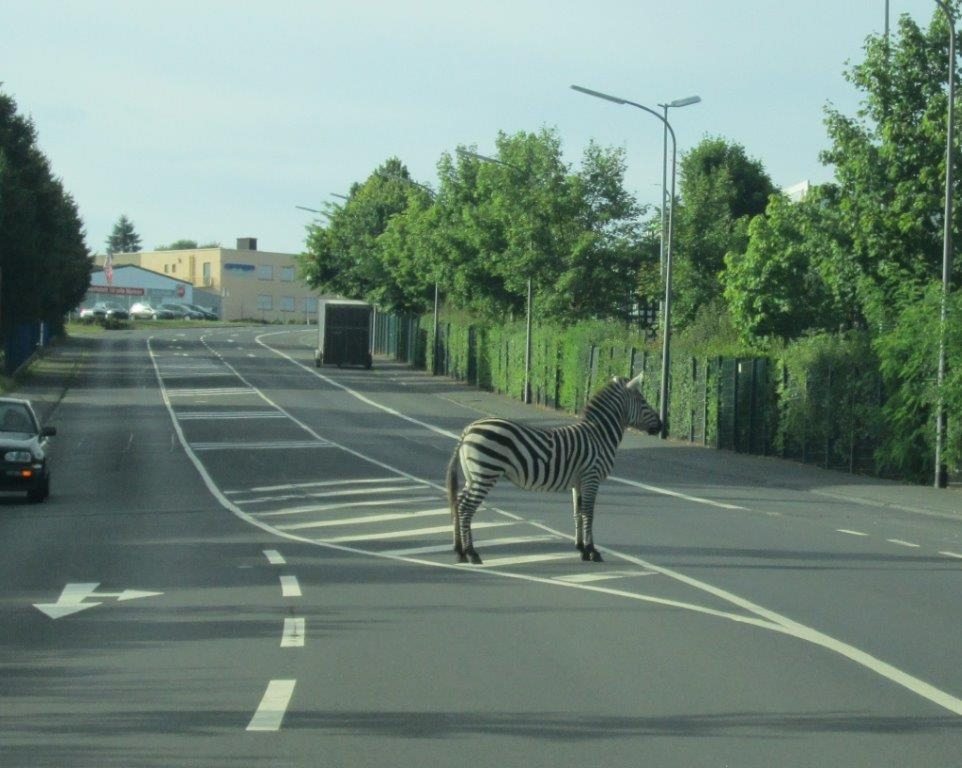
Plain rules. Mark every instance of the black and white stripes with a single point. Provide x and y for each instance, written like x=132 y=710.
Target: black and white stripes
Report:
x=578 y=457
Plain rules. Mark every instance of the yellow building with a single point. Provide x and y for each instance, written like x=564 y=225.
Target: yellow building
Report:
x=243 y=282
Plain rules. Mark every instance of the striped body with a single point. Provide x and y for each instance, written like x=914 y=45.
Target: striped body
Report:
x=578 y=457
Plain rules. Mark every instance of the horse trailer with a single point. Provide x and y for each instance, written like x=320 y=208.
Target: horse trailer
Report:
x=343 y=333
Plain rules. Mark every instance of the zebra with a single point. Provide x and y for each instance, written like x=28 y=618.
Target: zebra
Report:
x=578 y=456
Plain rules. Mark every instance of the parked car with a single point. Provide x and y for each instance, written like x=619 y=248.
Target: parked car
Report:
x=108 y=310
x=207 y=312
x=87 y=315
x=23 y=449
x=179 y=312
x=142 y=310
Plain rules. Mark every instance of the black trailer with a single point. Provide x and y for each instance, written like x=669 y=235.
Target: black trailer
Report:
x=343 y=333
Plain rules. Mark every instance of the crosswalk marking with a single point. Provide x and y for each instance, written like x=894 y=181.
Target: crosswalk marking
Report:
x=406 y=533
x=343 y=505
x=587 y=578
x=275 y=445
x=495 y=562
x=316 y=484
x=488 y=544
x=328 y=494
x=210 y=391
x=228 y=415
x=365 y=519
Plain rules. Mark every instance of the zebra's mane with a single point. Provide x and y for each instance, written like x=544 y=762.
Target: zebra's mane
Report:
x=611 y=397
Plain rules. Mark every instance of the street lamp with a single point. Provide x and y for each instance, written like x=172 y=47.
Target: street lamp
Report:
x=526 y=396
x=665 y=202
x=665 y=237
x=940 y=472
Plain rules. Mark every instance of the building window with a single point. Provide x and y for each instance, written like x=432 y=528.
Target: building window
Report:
x=310 y=305
x=208 y=280
x=287 y=303
x=265 y=272
x=287 y=274
x=265 y=301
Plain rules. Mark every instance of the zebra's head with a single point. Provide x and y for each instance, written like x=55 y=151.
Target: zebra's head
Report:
x=640 y=414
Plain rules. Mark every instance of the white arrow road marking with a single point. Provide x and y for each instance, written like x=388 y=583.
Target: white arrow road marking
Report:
x=72 y=598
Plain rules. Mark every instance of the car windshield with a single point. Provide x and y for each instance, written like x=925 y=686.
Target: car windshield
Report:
x=15 y=418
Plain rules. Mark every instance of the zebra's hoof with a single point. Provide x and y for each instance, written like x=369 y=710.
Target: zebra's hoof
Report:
x=462 y=558
x=473 y=556
x=591 y=554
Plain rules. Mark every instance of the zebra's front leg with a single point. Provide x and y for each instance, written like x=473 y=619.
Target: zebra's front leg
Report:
x=586 y=513
x=579 y=528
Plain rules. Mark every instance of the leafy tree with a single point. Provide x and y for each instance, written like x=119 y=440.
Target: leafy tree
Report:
x=794 y=275
x=341 y=256
x=123 y=238
x=722 y=189
x=889 y=161
x=178 y=245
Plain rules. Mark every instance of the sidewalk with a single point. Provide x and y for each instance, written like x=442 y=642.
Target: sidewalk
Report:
x=728 y=467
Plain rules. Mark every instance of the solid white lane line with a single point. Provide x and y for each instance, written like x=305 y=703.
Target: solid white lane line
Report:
x=903 y=543
x=406 y=533
x=274 y=557
x=367 y=519
x=951 y=554
x=851 y=533
x=290 y=587
x=270 y=712
x=293 y=635
x=676 y=494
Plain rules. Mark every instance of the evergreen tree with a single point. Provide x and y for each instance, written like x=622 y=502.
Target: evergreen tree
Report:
x=123 y=238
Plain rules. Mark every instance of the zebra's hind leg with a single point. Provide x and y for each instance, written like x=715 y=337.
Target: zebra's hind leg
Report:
x=468 y=501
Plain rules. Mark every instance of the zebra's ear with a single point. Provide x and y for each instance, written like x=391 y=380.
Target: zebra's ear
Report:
x=636 y=382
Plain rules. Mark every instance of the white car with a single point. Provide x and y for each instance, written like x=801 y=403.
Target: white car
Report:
x=143 y=311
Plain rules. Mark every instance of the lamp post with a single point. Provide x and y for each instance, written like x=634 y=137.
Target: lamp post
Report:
x=666 y=235
x=940 y=471
x=526 y=395
x=665 y=202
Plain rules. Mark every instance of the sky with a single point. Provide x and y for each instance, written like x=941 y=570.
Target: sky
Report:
x=212 y=120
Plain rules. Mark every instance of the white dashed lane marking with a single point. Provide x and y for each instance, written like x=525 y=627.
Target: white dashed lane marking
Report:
x=270 y=713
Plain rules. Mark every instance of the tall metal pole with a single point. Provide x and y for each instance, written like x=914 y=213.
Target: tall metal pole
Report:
x=667 y=238
x=940 y=469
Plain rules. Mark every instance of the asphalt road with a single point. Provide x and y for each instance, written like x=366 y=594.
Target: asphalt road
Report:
x=246 y=561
